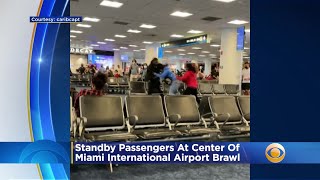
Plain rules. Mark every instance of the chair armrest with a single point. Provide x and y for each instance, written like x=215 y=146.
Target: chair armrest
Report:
x=81 y=122
x=133 y=118
x=206 y=114
x=220 y=115
x=176 y=118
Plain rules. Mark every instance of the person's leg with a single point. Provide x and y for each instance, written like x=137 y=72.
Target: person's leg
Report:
x=174 y=88
x=195 y=93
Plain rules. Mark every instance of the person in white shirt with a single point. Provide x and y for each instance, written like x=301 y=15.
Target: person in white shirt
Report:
x=120 y=70
x=246 y=79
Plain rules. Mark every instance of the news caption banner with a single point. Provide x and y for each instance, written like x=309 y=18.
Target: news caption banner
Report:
x=196 y=152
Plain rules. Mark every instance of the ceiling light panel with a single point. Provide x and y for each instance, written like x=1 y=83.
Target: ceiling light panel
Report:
x=113 y=4
x=148 y=26
x=181 y=14
x=238 y=22
x=120 y=36
x=111 y=40
x=195 y=31
x=133 y=31
x=75 y=31
x=91 y=19
x=147 y=42
x=177 y=35
x=84 y=25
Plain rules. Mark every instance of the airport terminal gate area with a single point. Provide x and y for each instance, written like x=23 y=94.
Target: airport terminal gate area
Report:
x=159 y=71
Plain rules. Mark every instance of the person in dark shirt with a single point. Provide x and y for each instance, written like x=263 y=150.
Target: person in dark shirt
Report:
x=97 y=84
x=154 y=81
x=81 y=69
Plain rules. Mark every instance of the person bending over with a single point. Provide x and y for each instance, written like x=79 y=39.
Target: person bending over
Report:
x=174 y=86
x=190 y=79
x=97 y=84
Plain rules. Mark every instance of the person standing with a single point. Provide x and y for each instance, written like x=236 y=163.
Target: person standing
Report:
x=153 y=81
x=134 y=70
x=81 y=69
x=120 y=70
x=246 y=79
x=190 y=79
x=102 y=69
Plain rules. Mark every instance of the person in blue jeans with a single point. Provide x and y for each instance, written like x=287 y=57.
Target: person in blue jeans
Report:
x=174 y=87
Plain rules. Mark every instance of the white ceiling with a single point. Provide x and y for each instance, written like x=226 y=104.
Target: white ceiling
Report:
x=155 y=12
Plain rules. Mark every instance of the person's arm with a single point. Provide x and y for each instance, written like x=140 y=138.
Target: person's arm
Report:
x=184 y=78
x=162 y=75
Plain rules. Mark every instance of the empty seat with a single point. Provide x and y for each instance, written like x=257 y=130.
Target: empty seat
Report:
x=183 y=111
x=102 y=117
x=227 y=115
x=244 y=104
x=218 y=89
x=137 y=87
x=205 y=88
x=204 y=108
x=146 y=117
x=232 y=89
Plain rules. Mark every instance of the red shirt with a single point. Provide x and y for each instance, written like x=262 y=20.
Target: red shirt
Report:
x=190 y=78
x=85 y=92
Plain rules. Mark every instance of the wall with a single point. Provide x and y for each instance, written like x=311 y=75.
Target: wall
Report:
x=76 y=60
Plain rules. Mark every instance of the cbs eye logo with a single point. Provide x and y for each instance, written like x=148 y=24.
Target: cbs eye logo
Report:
x=275 y=153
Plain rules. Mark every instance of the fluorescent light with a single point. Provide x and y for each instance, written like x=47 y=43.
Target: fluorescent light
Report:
x=91 y=19
x=238 y=22
x=181 y=50
x=142 y=49
x=72 y=36
x=195 y=31
x=84 y=25
x=109 y=39
x=94 y=45
x=212 y=55
x=113 y=4
x=136 y=50
x=247 y=30
x=177 y=35
x=101 y=42
x=201 y=55
x=120 y=36
x=206 y=52
x=147 y=42
x=168 y=51
x=116 y=49
x=123 y=48
x=134 y=31
x=191 y=53
x=226 y=1
x=148 y=26
x=74 y=31
x=133 y=45
x=181 y=14
x=182 y=54
x=197 y=48
x=215 y=45
x=246 y=48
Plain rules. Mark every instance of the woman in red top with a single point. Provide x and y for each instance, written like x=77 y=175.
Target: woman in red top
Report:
x=190 y=79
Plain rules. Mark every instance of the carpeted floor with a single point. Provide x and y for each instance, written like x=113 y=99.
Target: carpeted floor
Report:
x=162 y=172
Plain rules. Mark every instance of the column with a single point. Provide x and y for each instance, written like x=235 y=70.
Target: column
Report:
x=151 y=52
x=178 y=64
x=230 y=58
x=117 y=59
x=207 y=67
